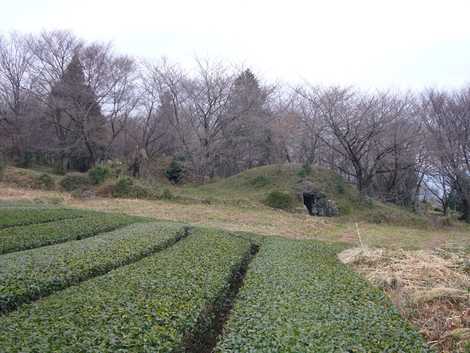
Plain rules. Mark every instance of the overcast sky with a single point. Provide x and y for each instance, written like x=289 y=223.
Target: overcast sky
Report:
x=370 y=43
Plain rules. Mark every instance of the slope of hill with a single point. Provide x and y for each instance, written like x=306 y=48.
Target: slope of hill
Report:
x=251 y=187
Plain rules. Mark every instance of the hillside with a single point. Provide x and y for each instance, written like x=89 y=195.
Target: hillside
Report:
x=251 y=187
x=247 y=190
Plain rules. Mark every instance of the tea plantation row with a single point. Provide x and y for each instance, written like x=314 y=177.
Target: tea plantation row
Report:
x=36 y=273
x=17 y=216
x=139 y=289
x=41 y=234
x=298 y=298
x=155 y=305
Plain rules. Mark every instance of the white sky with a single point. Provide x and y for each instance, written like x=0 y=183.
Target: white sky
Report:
x=370 y=43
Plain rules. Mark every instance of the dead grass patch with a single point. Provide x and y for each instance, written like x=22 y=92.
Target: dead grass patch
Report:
x=430 y=288
x=9 y=193
x=262 y=220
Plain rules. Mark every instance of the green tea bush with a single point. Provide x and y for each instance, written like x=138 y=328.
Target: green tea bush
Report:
x=280 y=200
x=298 y=298
x=99 y=174
x=56 y=267
x=72 y=182
x=18 y=216
x=153 y=305
x=36 y=235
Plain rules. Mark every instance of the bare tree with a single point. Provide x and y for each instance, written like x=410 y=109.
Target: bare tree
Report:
x=53 y=52
x=207 y=109
x=447 y=120
x=114 y=79
x=16 y=104
x=311 y=125
x=357 y=128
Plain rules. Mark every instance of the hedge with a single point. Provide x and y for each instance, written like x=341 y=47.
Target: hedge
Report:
x=36 y=273
x=153 y=305
x=298 y=298
x=12 y=216
x=36 y=235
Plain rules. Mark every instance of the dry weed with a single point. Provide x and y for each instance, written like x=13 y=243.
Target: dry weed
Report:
x=430 y=287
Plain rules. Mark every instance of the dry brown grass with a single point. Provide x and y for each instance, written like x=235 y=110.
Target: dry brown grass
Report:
x=11 y=193
x=263 y=220
x=430 y=287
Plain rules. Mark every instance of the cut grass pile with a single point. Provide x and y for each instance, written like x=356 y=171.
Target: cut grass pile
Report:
x=298 y=298
x=13 y=216
x=150 y=306
x=36 y=273
x=36 y=235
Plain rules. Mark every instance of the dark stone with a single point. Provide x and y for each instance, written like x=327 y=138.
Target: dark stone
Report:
x=318 y=205
x=314 y=200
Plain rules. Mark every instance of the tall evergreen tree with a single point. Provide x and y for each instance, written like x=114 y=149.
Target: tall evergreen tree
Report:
x=248 y=138
x=76 y=116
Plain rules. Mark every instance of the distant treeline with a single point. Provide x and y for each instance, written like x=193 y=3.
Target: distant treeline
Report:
x=72 y=104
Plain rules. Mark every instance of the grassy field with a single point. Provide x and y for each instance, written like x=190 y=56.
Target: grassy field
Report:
x=236 y=203
x=407 y=256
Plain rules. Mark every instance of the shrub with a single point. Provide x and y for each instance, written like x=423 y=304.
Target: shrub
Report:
x=345 y=207
x=45 y=181
x=175 y=172
x=306 y=170
x=72 y=182
x=59 y=169
x=125 y=187
x=105 y=190
x=116 y=167
x=339 y=185
x=261 y=181
x=278 y=199
x=99 y=174
x=25 y=160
